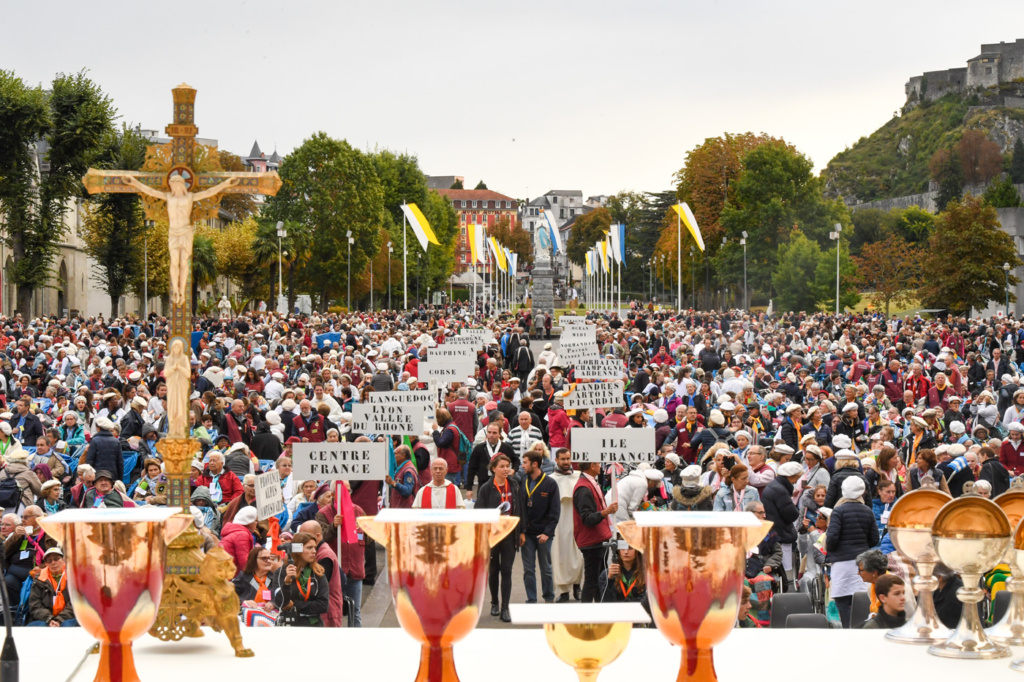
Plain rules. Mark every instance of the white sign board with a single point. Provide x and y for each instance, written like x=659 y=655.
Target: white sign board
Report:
x=425 y=400
x=625 y=446
x=602 y=368
x=403 y=419
x=269 y=498
x=457 y=341
x=483 y=336
x=569 y=353
x=585 y=396
x=566 y=320
x=340 y=461
x=579 y=333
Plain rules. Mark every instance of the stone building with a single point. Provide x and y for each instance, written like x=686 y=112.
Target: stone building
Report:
x=997 y=64
x=481 y=207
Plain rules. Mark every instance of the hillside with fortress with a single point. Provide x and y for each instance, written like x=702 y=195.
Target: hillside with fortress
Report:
x=889 y=168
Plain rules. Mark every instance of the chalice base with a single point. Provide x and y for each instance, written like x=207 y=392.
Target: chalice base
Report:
x=969 y=641
x=117 y=664
x=437 y=664
x=1018 y=665
x=1010 y=630
x=697 y=665
x=922 y=628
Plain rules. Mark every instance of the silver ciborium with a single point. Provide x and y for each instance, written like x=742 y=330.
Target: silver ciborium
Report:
x=971 y=535
x=1010 y=629
x=910 y=527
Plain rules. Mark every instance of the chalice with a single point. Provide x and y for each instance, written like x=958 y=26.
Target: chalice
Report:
x=970 y=535
x=1018 y=547
x=695 y=569
x=437 y=566
x=586 y=636
x=910 y=526
x=1010 y=629
x=115 y=565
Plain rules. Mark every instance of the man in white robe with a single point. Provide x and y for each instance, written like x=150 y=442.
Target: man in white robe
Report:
x=566 y=558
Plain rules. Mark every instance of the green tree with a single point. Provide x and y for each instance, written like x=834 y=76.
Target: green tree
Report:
x=914 y=224
x=514 y=238
x=632 y=210
x=236 y=258
x=776 y=191
x=1002 y=194
x=869 y=225
x=947 y=170
x=154 y=278
x=204 y=264
x=796 y=267
x=825 y=280
x=240 y=206
x=1017 y=163
x=113 y=223
x=329 y=188
x=480 y=185
x=72 y=117
x=586 y=231
x=965 y=257
x=891 y=269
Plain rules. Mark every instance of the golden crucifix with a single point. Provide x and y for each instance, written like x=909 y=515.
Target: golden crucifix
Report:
x=182 y=182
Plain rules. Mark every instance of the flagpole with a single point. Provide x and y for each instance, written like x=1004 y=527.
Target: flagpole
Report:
x=679 y=260
x=405 y=266
x=620 y=287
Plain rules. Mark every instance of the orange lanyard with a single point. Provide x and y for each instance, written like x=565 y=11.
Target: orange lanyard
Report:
x=309 y=585
x=622 y=586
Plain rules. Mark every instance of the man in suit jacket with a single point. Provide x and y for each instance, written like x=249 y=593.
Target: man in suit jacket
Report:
x=25 y=426
x=999 y=364
x=483 y=453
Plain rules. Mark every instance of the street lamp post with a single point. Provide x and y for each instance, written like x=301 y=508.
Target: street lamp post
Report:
x=281 y=233
x=1006 y=269
x=390 y=250
x=724 y=242
x=348 y=293
x=836 y=235
x=746 y=302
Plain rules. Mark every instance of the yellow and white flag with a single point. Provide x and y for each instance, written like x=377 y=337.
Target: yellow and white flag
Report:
x=420 y=225
x=471 y=238
x=686 y=215
x=499 y=255
x=481 y=252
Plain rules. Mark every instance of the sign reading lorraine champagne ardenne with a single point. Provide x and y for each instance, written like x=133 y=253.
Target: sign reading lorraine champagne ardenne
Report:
x=624 y=446
x=341 y=461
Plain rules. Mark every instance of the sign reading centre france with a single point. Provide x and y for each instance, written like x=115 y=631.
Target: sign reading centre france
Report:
x=399 y=419
x=342 y=461
x=625 y=446
x=269 y=498
x=602 y=368
x=585 y=396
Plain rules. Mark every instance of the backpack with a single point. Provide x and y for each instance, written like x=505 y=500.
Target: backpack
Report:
x=10 y=492
x=465 y=446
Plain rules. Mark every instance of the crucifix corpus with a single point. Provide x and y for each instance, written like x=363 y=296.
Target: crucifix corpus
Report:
x=182 y=182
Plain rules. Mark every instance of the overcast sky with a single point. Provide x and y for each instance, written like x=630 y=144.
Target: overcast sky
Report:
x=530 y=96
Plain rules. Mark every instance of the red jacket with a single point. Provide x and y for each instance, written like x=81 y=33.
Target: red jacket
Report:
x=314 y=432
x=230 y=486
x=1012 y=458
x=237 y=541
x=588 y=536
x=558 y=428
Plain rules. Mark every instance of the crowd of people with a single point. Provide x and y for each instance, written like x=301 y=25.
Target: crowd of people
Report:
x=816 y=423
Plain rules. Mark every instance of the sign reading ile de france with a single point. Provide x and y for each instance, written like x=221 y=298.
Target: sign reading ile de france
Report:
x=342 y=461
x=625 y=446
x=585 y=396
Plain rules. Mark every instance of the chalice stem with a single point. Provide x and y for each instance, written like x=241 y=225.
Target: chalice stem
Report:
x=117 y=663
x=698 y=665
x=437 y=664
x=587 y=674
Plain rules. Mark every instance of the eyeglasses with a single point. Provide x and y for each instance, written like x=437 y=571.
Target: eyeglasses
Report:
x=760 y=513
x=263 y=558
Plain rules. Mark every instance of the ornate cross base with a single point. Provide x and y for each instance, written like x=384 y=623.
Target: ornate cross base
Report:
x=197 y=588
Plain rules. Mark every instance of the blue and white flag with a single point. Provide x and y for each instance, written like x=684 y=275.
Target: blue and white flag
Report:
x=618 y=237
x=556 y=239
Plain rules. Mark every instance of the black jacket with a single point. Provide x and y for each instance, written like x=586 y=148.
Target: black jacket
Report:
x=777 y=499
x=265 y=444
x=835 y=487
x=131 y=424
x=480 y=459
x=104 y=454
x=543 y=505
x=851 y=530
x=996 y=474
x=246 y=585
x=304 y=612
x=31 y=430
x=488 y=497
